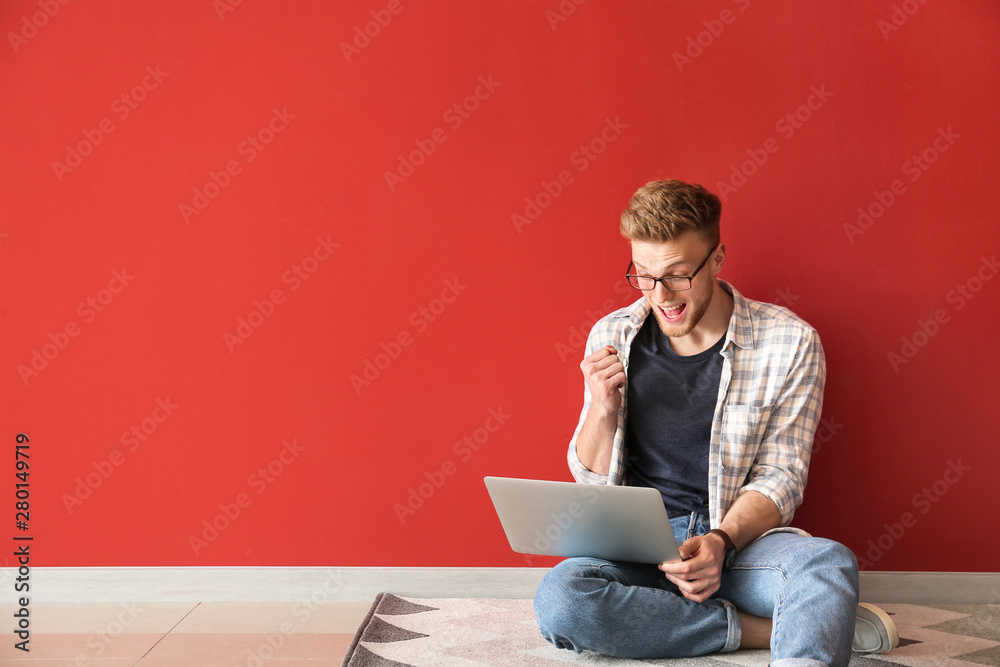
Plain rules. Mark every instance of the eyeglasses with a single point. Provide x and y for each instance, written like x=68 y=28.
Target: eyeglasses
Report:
x=672 y=283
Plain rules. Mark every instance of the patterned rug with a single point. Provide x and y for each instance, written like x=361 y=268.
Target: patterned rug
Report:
x=414 y=632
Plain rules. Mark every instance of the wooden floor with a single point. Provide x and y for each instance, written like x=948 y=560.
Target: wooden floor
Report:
x=205 y=635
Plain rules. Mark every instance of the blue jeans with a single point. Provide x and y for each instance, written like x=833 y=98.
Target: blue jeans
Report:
x=808 y=586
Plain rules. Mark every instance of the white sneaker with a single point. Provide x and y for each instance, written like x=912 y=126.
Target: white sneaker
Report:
x=874 y=631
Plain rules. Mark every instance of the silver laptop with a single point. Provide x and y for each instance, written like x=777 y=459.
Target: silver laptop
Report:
x=624 y=523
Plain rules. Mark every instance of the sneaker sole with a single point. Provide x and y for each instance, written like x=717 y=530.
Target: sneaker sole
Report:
x=879 y=624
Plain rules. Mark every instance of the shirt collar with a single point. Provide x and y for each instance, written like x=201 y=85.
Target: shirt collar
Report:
x=740 y=330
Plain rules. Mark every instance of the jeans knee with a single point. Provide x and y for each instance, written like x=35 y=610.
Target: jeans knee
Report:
x=834 y=556
x=556 y=594
x=837 y=555
x=547 y=601
x=562 y=605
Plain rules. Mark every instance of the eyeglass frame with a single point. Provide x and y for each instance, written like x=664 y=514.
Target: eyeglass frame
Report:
x=661 y=279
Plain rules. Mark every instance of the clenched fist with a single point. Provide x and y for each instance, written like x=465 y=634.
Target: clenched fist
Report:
x=605 y=376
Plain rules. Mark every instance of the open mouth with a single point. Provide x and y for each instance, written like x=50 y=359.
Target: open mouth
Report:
x=674 y=313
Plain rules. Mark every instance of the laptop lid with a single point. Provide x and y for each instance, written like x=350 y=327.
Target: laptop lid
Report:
x=625 y=523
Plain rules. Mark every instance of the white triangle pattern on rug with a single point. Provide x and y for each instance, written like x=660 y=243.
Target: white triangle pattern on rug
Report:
x=502 y=633
x=934 y=647
x=445 y=631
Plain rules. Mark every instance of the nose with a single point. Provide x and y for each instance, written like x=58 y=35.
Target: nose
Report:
x=660 y=293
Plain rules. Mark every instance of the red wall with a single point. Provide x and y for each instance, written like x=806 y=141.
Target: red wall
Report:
x=216 y=259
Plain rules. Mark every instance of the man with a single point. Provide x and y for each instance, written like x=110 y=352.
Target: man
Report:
x=723 y=398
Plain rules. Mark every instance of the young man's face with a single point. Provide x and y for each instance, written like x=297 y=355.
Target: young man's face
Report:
x=678 y=312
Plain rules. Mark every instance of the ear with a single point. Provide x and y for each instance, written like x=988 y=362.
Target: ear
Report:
x=718 y=259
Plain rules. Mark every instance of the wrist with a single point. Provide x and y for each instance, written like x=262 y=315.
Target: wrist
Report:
x=604 y=412
x=730 y=548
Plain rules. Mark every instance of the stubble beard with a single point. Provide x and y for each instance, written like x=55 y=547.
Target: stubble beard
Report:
x=697 y=311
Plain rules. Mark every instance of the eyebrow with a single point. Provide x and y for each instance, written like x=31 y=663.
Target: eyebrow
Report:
x=668 y=268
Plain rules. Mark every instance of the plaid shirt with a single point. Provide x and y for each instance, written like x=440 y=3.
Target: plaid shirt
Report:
x=770 y=398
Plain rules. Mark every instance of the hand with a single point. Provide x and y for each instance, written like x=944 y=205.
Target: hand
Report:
x=700 y=575
x=605 y=376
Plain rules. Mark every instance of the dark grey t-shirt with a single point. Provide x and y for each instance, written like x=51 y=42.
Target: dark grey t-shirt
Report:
x=671 y=402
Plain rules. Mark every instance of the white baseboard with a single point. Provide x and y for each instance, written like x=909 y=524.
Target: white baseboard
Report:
x=362 y=584
x=268 y=584
x=931 y=587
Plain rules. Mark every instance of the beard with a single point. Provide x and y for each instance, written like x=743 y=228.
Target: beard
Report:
x=692 y=314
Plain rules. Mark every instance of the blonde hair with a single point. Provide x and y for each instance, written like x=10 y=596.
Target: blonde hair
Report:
x=663 y=210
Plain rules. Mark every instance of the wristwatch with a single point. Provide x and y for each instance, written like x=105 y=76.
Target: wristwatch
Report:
x=730 y=547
